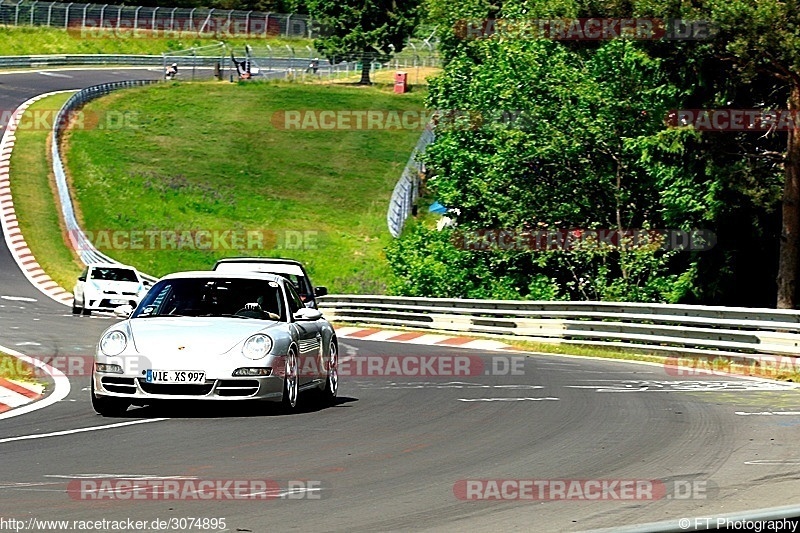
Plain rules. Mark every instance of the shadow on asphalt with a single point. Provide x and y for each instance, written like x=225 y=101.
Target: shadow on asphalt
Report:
x=307 y=403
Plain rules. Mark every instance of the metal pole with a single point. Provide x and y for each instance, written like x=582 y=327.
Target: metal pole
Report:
x=153 y=20
x=205 y=22
x=66 y=16
x=136 y=18
x=172 y=19
x=102 y=12
x=191 y=19
x=33 y=9
x=288 y=23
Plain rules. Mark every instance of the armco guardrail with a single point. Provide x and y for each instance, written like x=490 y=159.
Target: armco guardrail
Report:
x=86 y=250
x=406 y=191
x=62 y=60
x=689 y=329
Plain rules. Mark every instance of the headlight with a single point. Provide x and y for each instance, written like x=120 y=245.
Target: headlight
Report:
x=257 y=346
x=109 y=369
x=263 y=372
x=113 y=343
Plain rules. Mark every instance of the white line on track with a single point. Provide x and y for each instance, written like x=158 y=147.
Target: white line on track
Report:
x=80 y=430
x=769 y=413
x=18 y=298
x=504 y=399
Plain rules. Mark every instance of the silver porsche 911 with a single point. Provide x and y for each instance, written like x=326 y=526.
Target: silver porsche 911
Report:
x=215 y=336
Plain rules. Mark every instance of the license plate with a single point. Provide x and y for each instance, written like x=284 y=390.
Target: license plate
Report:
x=175 y=376
x=118 y=302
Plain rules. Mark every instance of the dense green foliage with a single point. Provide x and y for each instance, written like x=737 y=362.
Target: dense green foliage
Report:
x=572 y=136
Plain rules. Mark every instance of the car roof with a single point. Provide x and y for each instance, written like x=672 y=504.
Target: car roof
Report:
x=110 y=265
x=211 y=274
x=278 y=260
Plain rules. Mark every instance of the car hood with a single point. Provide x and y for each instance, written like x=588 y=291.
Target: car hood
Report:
x=159 y=335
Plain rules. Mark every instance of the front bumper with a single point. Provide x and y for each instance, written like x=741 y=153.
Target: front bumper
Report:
x=136 y=389
x=103 y=303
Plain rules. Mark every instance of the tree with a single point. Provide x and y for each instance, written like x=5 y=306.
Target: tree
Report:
x=543 y=138
x=363 y=30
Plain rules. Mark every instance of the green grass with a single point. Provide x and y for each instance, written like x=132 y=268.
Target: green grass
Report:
x=13 y=368
x=33 y=190
x=207 y=156
x=34 y=40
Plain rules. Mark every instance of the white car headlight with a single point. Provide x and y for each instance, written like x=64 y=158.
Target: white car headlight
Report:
x=257 y=346
x=113 y=343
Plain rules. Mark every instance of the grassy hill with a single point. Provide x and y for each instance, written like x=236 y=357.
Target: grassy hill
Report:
x=197 y=160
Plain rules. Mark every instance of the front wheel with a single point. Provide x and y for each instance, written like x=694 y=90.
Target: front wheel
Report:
x=291 y=385
x=108 y=406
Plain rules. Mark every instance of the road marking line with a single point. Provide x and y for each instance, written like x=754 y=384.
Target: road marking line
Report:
x=19 y=298
x=770 y=413
x=81 y=430
x=505 y=399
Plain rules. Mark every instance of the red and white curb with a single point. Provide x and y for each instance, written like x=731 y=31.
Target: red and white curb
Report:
x=8 y=218
x=18 y=398
x=416 y=337
x=18 y=393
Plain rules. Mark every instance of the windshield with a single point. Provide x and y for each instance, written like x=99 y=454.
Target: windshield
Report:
x=241 y=298
x=114 y=274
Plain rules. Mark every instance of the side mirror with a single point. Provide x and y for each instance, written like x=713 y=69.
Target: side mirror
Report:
x=307 y=313
x=123 y=311
x=82 y=278
x=320 y=291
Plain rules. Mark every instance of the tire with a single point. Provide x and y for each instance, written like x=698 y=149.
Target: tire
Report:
x=108 y=406
x=86 y=312
x=76 y=310
x=291 y=381
x=332 y=378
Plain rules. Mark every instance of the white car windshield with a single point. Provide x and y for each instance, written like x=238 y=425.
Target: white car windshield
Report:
x=240 y=298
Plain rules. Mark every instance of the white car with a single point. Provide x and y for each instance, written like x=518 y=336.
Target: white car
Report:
x=104 y=286
x=215 y=336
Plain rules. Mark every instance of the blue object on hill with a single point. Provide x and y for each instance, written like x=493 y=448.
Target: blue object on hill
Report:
x=436 y=207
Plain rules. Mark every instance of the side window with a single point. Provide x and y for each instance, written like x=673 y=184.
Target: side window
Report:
x=295 y=304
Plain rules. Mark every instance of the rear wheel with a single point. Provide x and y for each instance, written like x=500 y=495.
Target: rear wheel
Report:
x=86 y=312
x=291 y=383
x=332 y=379
x=108 y=406
x=75 y=309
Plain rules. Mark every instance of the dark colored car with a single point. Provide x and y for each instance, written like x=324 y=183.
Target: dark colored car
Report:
x=288 y=268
